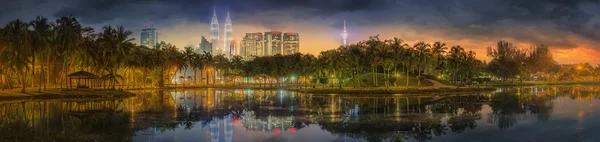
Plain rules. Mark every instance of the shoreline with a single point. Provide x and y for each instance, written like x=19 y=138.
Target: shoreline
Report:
x=15 y=94
x=374 y=91
x=540 y=83
x=53 y=93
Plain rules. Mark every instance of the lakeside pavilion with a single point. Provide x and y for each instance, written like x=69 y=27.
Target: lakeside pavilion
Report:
x=83 y=79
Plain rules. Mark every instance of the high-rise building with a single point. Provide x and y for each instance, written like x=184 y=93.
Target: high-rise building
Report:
x=273 y=44
x=233 y=49
x=214 y=33
x=252 y=45
x=345 y=34
x=291 y=43
x=228 y=35
x=149 y=37
x=205 y=46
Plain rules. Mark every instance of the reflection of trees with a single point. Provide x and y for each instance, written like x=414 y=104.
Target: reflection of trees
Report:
x=507 y=109
x=370 y=117
x=65 y=120
x=513 y=105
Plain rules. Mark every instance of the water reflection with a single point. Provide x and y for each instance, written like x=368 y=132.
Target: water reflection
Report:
x=276 y=115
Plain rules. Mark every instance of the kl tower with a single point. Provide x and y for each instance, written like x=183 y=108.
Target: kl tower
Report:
x=345 y=34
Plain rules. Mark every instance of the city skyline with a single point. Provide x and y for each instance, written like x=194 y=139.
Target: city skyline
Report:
x=572 y=39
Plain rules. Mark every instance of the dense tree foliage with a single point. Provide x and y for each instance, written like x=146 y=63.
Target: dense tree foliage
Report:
x=42 y=53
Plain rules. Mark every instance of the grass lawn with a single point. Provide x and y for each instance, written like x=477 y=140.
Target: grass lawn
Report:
x=366 y=80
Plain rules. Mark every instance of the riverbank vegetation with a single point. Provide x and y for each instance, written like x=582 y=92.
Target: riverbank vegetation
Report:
x=41 y=53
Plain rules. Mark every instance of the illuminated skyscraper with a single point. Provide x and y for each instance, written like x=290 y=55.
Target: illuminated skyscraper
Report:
x=228 y=36
x=273 y=44
x=233 y=49
x=291 y=43
x=252 y=45
x=149 y=37
x=345 y=34
x=214 y=33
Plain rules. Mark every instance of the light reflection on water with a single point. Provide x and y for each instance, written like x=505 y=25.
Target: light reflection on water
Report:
x=512 y=114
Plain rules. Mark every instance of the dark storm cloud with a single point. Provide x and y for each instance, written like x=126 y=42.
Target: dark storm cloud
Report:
x=531 y=21
x=99 y=11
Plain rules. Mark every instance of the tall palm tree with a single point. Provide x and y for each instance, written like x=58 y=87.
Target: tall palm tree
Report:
x=208 y=60
x=423 y=55
x=115 y=48
x=372 y=45
x=455 y=60
x=68 y=38
x=18 y=38
x=409 y=61
x=196 y=63
x=438 y=49
x=398 y=53
x=41 y=37
x=188 y=57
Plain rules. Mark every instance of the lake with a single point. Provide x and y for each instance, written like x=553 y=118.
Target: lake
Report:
x=558 y=113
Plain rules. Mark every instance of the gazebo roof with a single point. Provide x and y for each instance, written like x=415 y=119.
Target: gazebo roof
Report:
x=82 y=74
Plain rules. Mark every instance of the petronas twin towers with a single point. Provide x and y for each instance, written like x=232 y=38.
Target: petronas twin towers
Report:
x=214 y=36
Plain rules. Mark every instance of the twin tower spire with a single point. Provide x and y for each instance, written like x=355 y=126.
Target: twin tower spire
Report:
x=214 y=35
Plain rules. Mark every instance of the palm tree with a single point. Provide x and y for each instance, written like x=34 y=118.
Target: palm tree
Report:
x=68 y=38
x=398 y=53
x=41 y=37
x=422 y=54
x=18 y=38
x=409 y=62
x=455 y=60
x=208 y=60
x=196 y=63
x=236 y=65
x=438 y=49
x=372 y=44
x=115 y=48
x=221 y=66
x=188 y=57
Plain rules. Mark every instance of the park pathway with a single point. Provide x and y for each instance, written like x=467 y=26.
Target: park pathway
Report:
x=437 y=84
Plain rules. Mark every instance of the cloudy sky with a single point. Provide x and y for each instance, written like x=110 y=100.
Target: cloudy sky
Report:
x=570 y=27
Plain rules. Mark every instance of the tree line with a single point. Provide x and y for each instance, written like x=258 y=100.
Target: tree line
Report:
x=42 y=52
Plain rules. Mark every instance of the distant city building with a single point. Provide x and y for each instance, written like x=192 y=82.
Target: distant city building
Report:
x=233 y=49
x=272 y=43
x=291 y=43
x=214 y=33
x=252 y=45
x=228 y=35
x=205 y=46
x=345 y=34
x=149 y=37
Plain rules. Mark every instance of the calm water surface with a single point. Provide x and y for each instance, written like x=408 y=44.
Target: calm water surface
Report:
x=512 y=114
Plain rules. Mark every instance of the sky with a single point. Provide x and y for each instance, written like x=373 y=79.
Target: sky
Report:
x=571 y=28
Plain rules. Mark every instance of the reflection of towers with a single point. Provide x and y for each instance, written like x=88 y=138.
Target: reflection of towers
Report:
x=214 y=130
x=228 y=36
x=214 y=33
x=228 y=124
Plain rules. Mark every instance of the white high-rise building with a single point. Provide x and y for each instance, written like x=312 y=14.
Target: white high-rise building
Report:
x=149 y=37
x=214 y=33
x=228 y=36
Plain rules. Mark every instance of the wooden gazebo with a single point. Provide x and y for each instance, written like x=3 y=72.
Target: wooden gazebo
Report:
x=83 y=79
